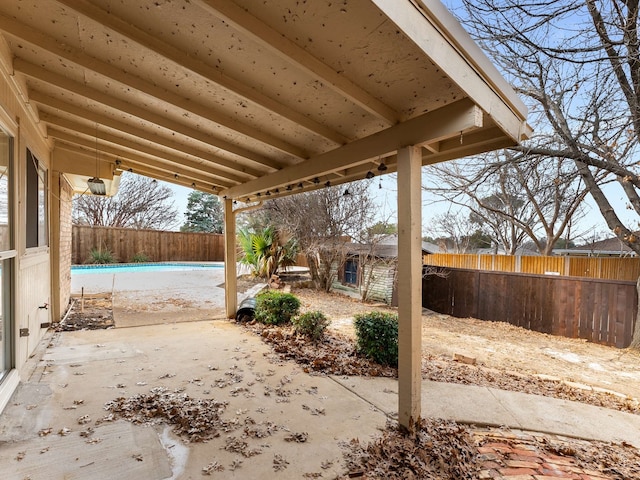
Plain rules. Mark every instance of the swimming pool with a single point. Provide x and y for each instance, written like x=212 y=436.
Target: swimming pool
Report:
x=143 y=267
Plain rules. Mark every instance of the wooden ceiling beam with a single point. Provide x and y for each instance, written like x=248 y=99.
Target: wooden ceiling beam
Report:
x=291 y=52
x=226 y=167
x=156 y=159
x=101 y=133
x=204 y=70
x=128 y=162
x=448 y=121
x=112 y=102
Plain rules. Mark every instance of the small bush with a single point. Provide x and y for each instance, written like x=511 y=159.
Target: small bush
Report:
x=377 y=337
x=311 y=324
x=98 y=255
x=275 y=308
x=140 y=258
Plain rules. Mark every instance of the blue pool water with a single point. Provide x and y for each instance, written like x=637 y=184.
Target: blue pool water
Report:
x=142 y=267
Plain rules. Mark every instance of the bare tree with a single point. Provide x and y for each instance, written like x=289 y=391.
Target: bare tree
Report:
x=514 y=198
x=141 y=203
x=578 y=64
x=456 y=228
x=324 y=221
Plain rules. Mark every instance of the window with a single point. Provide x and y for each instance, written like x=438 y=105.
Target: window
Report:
x=6 y=255
x=351 y=272
x=37 y=231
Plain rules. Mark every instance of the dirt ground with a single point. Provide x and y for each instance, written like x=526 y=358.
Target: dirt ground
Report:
x=500 y=346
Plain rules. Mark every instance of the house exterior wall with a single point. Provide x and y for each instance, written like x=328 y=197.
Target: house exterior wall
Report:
x=64 y=248
x=30 y=280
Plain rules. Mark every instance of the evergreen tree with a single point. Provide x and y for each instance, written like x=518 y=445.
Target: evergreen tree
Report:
x=204 y=213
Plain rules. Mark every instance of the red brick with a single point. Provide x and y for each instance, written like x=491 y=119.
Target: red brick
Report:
x=521 y=464
x=525 y=446
x=494 y=447
x=488 y=456
x=558 y=460
x=489 y=465
x=517 y=471
x=546 y=477
x=556 y=473
x=525 y=458
x=488 y=473
x=554 y=477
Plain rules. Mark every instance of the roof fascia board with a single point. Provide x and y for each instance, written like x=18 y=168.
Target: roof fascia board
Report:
x=436 y=31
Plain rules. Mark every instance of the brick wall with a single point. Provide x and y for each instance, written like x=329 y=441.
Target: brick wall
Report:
x=66 y=194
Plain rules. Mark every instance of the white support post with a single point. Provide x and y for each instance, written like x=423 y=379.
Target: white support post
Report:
x=230 y=270
x=409 y=286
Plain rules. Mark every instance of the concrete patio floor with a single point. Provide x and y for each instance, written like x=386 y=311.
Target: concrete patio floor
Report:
x=74 y=374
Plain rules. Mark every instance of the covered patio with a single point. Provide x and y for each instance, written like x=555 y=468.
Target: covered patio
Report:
x=252 y=101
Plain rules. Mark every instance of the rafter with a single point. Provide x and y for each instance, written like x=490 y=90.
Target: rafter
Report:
x=448 y=121
x=91 y=131
x=223 y=164
x=167 y=162
x=158 y=46
x=137 y=163
x=142 y=113
x=269 y=38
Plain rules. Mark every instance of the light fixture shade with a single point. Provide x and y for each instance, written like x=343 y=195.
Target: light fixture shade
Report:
x=97 y=186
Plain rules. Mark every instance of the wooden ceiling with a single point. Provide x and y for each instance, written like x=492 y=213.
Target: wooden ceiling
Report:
x=250 y=98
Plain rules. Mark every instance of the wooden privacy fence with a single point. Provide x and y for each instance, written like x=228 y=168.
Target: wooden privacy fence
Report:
x=610 y=268
x=158 y=245
x=601 y=311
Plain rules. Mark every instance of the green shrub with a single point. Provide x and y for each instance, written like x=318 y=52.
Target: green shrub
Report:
x=98 y=255
x=311 y=324
x=377 y=337
x=140 y=258
x=275 y=308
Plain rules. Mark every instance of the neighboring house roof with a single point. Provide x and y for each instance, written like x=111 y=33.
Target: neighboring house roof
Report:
x=392 y=239
x=609 y=246
x=384 y=250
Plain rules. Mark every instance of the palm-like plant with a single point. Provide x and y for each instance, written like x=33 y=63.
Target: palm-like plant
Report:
x=266 y=251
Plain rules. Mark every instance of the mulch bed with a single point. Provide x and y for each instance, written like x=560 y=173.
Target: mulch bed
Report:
x=332 y=355
x=94 y=313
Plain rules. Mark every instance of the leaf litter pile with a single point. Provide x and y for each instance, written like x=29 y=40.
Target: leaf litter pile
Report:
x=196 y=419
x=439 y=450
x=333 y=354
